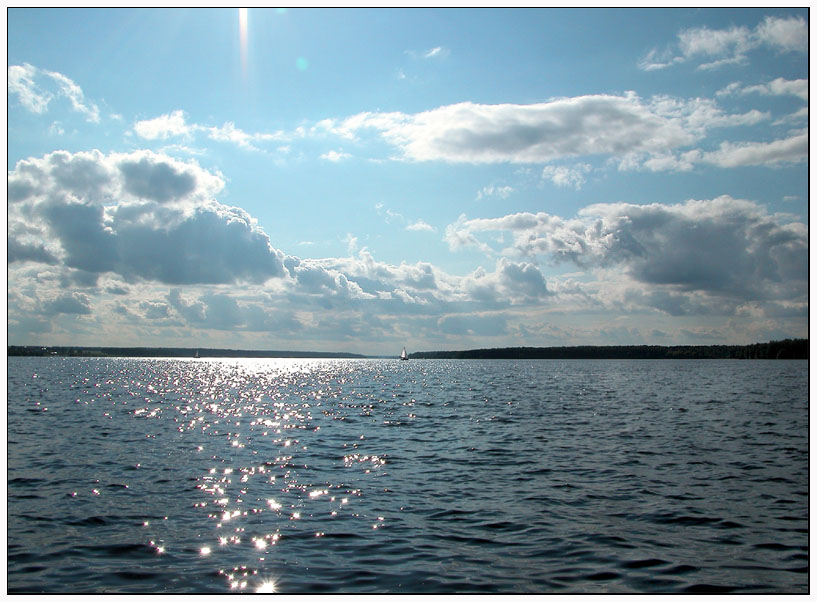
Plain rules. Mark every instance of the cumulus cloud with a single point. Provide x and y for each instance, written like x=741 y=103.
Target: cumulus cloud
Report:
x=335 y=156
x=616 y=126
x=789 y=150
x=776 y=87
x=723 y=247
x=776 y=153
x=719 y=47
x=36 y=252
x=141 y=216
x=164 y=126
x=35 y=88
x=68 y=303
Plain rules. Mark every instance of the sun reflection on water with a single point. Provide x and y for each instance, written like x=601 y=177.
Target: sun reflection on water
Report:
x=264 y=460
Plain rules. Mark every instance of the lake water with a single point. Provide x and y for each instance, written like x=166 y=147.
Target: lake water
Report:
x=426 y=476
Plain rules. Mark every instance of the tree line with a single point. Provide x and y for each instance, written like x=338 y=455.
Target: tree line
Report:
x=33 y=350
x=785 y=349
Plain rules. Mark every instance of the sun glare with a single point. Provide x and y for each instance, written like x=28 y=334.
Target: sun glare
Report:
x=267 y=587
x=242 y=34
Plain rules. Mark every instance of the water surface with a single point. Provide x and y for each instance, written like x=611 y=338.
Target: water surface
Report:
x=341 y=476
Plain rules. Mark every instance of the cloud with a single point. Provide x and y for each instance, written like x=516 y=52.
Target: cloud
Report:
x=777 y=87
x=229 y=133
x=175 y=124
x=153 y=310
x=721 y=47
x=788 y=34
x=23 y=82
x=68 y=303
x=421 y=226
x=163 y=127
x=789 y=150
x=776 y=153
x=562 y=176
x=593 y=125
x=721 y=247
x=436 y=52
x=158 y=181
x=335 y=156
x=501 y=192
x=473 y=325
x=74 y=93
x=141 y=216
x=18 y=251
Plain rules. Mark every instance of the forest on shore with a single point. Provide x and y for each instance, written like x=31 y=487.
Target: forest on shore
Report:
x=34 y=350
x=790 y=349
x=785 y=349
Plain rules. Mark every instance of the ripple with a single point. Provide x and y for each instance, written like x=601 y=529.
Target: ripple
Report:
x=369 y=476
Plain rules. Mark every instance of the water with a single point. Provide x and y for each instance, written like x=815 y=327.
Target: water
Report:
x=316 y=476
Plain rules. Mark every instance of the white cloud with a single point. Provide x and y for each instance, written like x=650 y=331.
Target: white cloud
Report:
x=74 y=93
x=174 y=124
x=421 y=226
x=164 y=126
x=21 y=81
x=721 y=47
x=777 y=87
x=436 y=52
x=335 y=156
x=229 y=133
x=537 y=133
x=627 y=128
x=788 y=34
x=501 y=192
x=790 y=150
x=566 y=176
x=793 y=149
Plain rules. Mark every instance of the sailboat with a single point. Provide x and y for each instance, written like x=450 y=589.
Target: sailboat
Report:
x=403 y=354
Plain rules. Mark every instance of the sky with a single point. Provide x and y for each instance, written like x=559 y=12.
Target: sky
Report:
x=363 y=179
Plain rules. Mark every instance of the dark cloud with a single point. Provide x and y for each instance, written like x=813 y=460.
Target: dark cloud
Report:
x=208 y=247
x=193 y=312
x=18 y=251
x=524 y=278
x=723 y=247
x=68 y=303
x=473 y=325
x=153 y=310
x=88 y=244
x=84 y=201
x=81 y=278
x=156 y=181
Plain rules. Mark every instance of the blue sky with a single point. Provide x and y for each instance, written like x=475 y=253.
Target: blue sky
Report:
x=365 y=179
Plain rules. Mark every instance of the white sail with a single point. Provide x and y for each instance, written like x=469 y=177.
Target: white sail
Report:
x=403 y=354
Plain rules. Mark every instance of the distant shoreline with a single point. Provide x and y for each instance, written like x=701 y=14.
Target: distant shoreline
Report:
x=785 y=349
x=180 y=352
